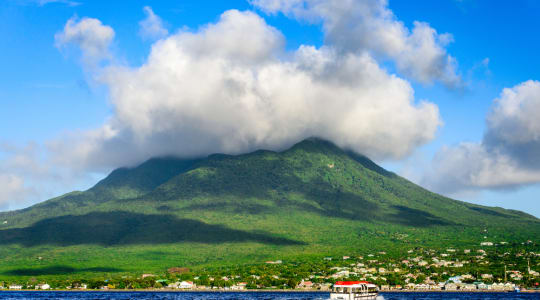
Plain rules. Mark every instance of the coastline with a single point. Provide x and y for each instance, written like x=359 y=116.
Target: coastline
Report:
x=265 y=291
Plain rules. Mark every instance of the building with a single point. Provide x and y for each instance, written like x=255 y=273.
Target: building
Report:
x=468 y=287
x=239 y=286
x=305 y=285
x=15 y=287
x=482 y=286
x=186 y=285
x=42 y=286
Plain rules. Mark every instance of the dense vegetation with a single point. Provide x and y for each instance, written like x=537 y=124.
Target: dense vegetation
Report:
x=307 y=202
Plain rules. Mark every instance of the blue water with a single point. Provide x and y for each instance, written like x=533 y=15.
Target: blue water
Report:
x=253 y=295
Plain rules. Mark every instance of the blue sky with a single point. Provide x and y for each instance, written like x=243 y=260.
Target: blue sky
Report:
x=48 y=93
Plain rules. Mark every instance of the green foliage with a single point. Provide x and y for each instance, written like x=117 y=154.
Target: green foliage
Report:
x=307 y=202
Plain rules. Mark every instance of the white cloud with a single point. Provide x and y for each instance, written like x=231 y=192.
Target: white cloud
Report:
x=13 y=190
x=226 y=88
x=356 y=26
x=27 y=176
x=508 y=155
x=90 y=35
x=152 y=26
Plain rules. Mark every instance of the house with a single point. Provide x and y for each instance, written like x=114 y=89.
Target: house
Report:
x=43 y=286
x=277 y=262
x=239 y=286
x=450 y=287
x=305 y=285
x=186 y=285
x=15 y=287
x=482 y=286
x=486 y=244
x=147 y=275
x=421 y=287
x=346 y=257
x=468 y=287
x=341 y=274
x=410 y=286
x=498 y=286
x=486 y=276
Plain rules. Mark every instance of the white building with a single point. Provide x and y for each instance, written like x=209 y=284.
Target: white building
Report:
x=42 y=286
x=15 y=287
x=186 y=285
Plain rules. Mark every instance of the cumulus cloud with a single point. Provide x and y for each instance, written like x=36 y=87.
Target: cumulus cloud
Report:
x=507 y=157
x=227 y=88
x=152 y=26
x=356 y=26
x=90 y=36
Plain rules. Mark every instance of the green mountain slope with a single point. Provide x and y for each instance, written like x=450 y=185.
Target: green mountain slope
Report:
x=311 y=200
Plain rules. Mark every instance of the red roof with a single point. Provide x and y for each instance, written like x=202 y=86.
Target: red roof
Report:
x=350 y=282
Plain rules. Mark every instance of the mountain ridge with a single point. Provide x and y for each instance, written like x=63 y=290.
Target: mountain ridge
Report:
x=309 y=200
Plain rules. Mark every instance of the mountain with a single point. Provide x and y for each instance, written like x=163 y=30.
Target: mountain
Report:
x=311 y=200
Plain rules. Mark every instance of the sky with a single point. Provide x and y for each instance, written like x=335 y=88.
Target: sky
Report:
x=445 y=93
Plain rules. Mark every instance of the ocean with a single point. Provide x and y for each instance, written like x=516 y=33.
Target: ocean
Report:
x=251 y=295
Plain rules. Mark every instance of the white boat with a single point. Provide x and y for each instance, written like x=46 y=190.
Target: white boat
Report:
x=352 y=290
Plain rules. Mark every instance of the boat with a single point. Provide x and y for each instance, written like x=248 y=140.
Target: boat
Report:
x=352 y=290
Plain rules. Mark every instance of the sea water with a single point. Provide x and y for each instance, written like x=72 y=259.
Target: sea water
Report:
x=251 y=295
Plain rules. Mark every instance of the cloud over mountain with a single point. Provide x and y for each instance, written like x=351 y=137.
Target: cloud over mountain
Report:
x=231 y=87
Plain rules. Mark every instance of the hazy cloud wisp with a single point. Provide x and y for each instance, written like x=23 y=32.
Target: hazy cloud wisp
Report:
x=90 y=35
x=152 y=26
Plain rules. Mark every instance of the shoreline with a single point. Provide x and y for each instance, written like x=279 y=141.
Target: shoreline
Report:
x=260 y=291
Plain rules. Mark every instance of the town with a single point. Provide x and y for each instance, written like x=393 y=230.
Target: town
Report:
x=489 y=267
